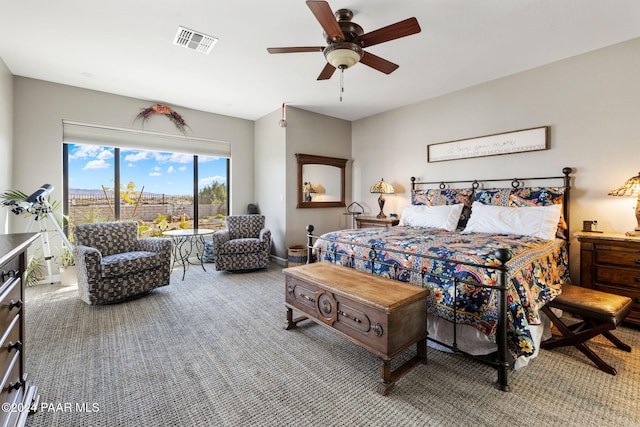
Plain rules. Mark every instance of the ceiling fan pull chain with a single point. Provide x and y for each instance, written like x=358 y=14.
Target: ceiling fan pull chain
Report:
x=341 y=83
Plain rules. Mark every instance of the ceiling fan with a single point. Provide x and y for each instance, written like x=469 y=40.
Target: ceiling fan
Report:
x=346 y=40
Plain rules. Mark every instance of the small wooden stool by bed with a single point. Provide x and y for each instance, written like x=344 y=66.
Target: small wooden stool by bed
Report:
x=601 y=312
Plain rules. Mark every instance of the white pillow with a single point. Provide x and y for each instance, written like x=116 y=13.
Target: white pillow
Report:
x=443 y=216
x=538 y=221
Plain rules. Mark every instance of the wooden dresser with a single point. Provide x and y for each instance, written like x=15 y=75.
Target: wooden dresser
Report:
x=610 y=262
x=17 y=396
x=372 y=221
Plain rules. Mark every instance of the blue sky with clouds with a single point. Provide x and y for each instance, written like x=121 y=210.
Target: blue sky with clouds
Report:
x=92 y=166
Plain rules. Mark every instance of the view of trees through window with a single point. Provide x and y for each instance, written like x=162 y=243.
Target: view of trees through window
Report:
x=155 y=188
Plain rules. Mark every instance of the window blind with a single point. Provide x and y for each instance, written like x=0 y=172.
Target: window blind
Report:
x=83 y=133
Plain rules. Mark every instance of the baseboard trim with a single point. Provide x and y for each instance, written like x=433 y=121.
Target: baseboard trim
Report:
x=280 y=261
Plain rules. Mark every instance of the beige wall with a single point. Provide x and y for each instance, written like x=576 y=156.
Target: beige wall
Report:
x=6 y=138
x=276 y=172
x=271 y=178
x=589 y=101
x=311 y=133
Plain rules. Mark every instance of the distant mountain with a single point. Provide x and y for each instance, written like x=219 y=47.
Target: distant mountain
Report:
x=86 y=192
x=94 y=193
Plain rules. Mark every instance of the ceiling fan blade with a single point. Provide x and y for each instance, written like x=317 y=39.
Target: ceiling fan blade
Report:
x=295 y=49
x=327 y=72
x=322 y=11
x=390 y=32
x=378 y=63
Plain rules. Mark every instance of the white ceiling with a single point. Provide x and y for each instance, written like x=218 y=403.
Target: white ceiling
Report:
x=125 y=47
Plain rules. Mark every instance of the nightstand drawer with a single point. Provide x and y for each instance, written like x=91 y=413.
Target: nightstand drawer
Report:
x=618 y=255
x=610 y=262
x=619 y=276
x=369 y=222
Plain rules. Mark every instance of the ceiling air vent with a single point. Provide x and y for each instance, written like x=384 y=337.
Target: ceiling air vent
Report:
x=194 y=40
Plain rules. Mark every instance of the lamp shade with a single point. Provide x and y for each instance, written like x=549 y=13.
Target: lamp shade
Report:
x=382 y=187
x=308 y=188
x=629 y=188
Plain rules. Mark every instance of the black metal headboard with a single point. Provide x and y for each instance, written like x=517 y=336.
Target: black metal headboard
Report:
x=515 y=183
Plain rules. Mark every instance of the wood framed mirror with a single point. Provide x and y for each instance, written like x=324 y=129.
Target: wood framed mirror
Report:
x=321 y=181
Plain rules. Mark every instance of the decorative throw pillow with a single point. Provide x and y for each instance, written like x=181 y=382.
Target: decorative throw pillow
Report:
x=493 y=196
x=442 y=217
x=536 y=196
x=446 y=196
x=537 y=221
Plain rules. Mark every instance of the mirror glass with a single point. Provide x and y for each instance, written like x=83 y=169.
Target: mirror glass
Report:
x=324 y=180
x=320 y=181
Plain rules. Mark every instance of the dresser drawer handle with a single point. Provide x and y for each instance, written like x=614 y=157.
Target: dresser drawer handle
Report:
x=9 y=274
x=637 y=261
x=17 y=345
x=637 y=279
x=307 y=297
x=15 y=386
x=15 y=304
x=349 y=316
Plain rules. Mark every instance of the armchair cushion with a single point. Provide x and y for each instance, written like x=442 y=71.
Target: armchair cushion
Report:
x=238 y=246
x=130 y=262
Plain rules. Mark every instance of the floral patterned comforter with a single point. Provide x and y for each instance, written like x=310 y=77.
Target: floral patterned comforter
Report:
x=536 y=270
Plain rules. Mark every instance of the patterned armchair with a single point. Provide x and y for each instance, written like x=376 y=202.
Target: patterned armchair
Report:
x=244 y=245
x=114 y=264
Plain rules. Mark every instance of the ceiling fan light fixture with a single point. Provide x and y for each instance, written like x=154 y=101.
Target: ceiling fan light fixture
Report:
x=343 y=55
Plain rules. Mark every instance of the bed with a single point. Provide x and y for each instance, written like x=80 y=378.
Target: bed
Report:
x=490 y=256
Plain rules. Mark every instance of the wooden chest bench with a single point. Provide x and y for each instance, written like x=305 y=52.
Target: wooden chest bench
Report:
x=383 y=316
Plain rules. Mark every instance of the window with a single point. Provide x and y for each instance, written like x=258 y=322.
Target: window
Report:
x=155 y=188
x=212 y=191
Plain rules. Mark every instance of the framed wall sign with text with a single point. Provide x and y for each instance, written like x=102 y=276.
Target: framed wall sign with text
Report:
x=533 y=139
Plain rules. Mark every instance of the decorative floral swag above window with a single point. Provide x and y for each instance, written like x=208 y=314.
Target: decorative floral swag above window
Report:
x=167 y=111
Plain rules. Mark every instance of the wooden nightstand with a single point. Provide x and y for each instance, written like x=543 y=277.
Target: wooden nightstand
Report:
x=372 y=221
x=610 y=262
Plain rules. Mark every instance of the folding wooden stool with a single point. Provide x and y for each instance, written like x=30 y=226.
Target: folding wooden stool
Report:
x=601 y=312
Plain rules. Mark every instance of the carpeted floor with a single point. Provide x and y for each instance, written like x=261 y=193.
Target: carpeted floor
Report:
x=212 y=351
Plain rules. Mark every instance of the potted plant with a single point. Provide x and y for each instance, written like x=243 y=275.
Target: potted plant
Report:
x=67 y=266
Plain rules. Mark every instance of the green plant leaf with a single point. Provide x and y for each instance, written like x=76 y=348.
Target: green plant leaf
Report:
x=34 y=271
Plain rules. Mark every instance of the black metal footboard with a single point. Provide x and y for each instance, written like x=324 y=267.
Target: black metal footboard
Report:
x=502 y=359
